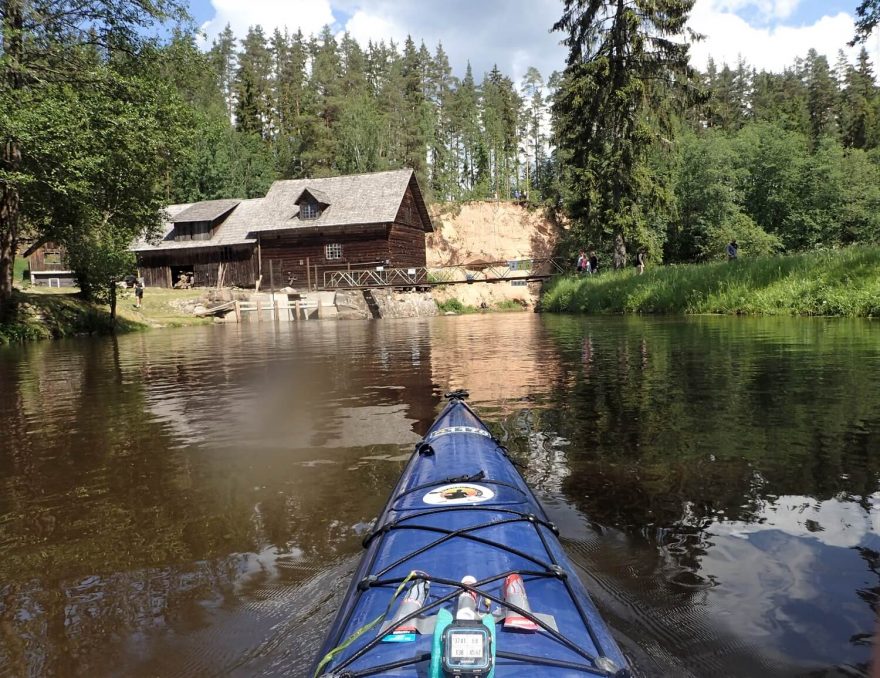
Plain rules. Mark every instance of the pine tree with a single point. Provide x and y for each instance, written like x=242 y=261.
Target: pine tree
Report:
x=325 y=84
x=821 y=95
x=867 y=18
x=253 y=86
x=444 y=176
x=416 y=128
x=534 y=108
x=465 y=122
x=615 y=49
x=223 y=61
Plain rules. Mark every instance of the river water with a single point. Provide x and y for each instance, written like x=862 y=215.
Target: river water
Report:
x=191 y=502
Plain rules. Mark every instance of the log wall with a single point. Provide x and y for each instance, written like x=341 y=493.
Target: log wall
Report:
x=290 y=251
x=37 y=260
x=160 y=269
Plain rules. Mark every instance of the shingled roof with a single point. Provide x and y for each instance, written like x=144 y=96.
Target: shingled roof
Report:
x=209 y=210
x=235 y=229
x=349 y=200
x=354 y=199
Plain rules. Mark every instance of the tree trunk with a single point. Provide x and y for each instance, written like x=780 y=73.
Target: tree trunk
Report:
x=619 y=252
x=10 y=153
x=112 y=306
x=8 y=244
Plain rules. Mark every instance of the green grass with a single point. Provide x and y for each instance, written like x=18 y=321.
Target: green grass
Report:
x=52 y=313
x=455 y=306
x=57 y=315
x=827 y=283
x=509 y=305
x=18 y=268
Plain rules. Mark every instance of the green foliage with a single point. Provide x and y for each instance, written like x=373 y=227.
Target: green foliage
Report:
x=455 y=306
x=627 y=71
x=47 y=316
x=827 y=282
x=85 y=126
x=867 y=17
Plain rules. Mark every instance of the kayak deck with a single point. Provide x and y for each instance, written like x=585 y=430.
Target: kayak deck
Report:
x=461 y=508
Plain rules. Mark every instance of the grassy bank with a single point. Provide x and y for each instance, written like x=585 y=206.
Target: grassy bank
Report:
x=830 y=283
x=44 y=313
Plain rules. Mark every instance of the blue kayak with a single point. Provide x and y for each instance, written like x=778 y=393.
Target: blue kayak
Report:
x=464 y=575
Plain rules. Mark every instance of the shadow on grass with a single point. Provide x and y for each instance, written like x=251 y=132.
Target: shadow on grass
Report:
x=54 y=316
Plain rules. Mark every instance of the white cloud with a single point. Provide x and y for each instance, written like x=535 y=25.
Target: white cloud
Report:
x=364 y=27
x=308 y=15
x=515 y=34
x=843 y=523
x=767 y=9
x=770 y=47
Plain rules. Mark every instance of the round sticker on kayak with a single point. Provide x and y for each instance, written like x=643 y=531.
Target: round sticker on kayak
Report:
x=458 y=493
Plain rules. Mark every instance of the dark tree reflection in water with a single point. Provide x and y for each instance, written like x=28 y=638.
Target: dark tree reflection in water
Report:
x=192 y=502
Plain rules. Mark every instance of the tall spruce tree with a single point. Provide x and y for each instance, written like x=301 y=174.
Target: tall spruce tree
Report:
x=616 y=49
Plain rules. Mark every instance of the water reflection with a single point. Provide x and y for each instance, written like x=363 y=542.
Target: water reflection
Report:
x=192 y=502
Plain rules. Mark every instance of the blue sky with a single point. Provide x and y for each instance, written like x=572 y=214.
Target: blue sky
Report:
x=768 y=34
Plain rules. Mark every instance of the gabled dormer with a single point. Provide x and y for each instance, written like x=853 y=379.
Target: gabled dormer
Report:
x=312 y=203
x=200 y=221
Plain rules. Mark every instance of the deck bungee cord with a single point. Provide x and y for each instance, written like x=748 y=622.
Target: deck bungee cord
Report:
x=465 y=640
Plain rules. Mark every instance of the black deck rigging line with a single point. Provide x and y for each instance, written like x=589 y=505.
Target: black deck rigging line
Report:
x=547 y=661
x=464 y=533
x=381 y=668
x=443 y=509
x=479 y=476
x=552 y=570
x=457 y=588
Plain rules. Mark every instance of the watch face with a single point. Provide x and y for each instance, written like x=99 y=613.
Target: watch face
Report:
x=467 y=651
x=466 y=645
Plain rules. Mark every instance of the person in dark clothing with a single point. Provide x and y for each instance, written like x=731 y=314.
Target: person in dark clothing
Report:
x=732 y=250
x=594 y=263
x=138 y=293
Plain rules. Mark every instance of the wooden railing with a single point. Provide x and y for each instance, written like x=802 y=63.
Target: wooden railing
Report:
x=518 y=269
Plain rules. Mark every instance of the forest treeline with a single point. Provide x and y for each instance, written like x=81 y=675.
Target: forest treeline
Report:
x=111 y=109
x=781 y=161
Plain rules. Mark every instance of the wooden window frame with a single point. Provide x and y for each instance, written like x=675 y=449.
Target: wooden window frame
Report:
x=331 y=249
x=309 y=210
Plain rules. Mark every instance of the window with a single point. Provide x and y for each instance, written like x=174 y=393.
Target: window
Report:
x=333 y=251
x=309 y=210
x=183 y=231
x=52 y=257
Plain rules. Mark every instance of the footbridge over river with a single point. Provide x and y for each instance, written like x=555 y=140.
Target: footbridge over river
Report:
x=526 y=270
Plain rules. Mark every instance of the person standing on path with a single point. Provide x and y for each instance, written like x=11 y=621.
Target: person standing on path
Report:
x=594 y=263
x=581 y=262
x=732 y=250
x=138 y=293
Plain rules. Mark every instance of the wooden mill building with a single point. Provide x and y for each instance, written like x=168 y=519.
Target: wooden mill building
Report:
x=299 y=230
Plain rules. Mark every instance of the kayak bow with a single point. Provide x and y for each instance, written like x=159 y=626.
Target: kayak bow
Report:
x=464 y=575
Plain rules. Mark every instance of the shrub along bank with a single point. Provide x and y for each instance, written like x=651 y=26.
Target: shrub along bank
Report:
x=830 y=283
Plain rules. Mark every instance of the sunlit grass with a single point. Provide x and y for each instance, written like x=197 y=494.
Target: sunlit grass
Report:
x=829 y=282
x=46 y=313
